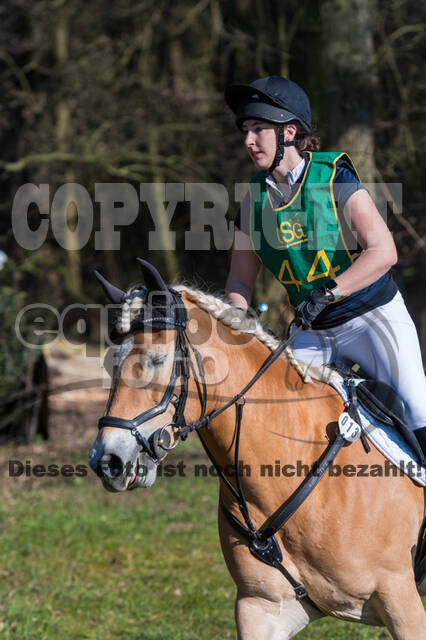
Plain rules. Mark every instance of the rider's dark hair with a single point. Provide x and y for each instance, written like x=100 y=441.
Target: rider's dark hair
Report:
x=307 y=141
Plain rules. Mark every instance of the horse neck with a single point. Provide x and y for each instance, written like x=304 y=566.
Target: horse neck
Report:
x=272 y=404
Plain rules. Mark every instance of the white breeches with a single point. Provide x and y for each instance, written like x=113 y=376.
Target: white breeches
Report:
x=384 y=343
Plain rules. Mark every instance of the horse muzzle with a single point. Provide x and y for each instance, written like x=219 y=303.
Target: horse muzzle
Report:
x=119 y=475
x=124 y=463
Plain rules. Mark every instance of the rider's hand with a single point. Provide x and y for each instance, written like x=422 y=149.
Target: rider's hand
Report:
x=235 y=317
x=309 y=309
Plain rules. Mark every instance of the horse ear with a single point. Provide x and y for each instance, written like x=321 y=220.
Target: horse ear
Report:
x=153 y=280
x=114 y=294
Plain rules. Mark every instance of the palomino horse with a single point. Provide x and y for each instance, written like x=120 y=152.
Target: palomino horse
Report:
x=351 y=543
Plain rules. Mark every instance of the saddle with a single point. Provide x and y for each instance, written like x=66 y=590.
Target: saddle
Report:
x=380 y=400
x=384 y=404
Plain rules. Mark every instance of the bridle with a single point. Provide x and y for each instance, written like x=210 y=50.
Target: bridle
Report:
x=171 y=316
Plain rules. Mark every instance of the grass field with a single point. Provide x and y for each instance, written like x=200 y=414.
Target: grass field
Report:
x=80 y=563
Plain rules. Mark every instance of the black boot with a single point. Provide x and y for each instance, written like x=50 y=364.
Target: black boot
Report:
x=421 y=437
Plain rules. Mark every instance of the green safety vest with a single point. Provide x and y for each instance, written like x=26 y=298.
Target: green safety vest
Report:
x=302 y=243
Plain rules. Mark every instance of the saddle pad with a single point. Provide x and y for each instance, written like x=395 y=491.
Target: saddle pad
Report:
x=386 y=439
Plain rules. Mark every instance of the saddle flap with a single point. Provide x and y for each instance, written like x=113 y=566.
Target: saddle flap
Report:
x=382 y=401
x=384 y=404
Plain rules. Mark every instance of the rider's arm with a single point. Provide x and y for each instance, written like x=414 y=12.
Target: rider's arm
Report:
x=374 y=237
x=245 y=266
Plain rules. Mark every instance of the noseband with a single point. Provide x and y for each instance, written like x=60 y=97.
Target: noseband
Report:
x=172 y=316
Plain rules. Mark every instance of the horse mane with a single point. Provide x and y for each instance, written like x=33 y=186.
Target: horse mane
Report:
x=230 y=316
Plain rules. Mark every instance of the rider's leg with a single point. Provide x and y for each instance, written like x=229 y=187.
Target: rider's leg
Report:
x=384 y=343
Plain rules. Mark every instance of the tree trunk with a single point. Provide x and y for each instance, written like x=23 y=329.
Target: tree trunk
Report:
x=282 y=40
x=350 y=80
x=169 y=255
x=63 y=135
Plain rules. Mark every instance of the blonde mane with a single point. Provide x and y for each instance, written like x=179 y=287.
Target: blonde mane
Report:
x=230 y=316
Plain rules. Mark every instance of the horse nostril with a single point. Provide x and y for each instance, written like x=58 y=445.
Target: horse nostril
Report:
x=111 y=465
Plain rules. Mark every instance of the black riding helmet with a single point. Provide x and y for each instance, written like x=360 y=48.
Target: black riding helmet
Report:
x=273 y=99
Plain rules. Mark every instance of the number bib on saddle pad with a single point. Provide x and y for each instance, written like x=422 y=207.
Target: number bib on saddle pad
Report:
x=302 y=243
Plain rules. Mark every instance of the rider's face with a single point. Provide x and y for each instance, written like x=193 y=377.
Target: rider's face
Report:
x=260 y=139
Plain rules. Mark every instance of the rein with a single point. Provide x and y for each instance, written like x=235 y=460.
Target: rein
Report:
x=262 y=541
x=182 y=367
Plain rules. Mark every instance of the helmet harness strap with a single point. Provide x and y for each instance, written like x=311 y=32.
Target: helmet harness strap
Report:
x=279 y=155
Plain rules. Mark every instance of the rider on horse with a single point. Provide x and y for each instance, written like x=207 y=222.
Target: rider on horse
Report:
x=311 y=222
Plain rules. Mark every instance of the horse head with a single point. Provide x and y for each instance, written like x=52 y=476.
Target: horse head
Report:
x=148 y=365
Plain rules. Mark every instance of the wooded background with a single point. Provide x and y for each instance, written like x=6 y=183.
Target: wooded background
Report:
x=132 y=91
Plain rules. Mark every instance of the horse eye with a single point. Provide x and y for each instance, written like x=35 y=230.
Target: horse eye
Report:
x=110 y=361
x=158 y=359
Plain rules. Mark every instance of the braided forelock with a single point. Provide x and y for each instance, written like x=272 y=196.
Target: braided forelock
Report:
x=130 y=309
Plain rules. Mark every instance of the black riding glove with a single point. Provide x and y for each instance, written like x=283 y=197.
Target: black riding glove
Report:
x=309 y=309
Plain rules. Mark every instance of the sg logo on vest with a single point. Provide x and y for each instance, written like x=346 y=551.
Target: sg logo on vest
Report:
x=291 y=233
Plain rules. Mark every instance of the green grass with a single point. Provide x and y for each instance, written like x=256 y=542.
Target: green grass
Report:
x=79 y=563
x=90 y=565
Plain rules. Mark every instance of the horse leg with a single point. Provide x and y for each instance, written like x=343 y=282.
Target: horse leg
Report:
x=271 y=620
x=400 y=608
